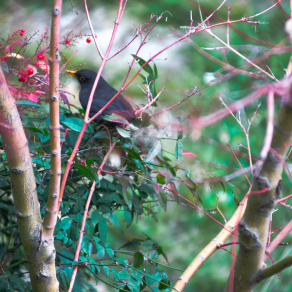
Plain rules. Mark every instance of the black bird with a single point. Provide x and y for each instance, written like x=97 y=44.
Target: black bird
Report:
x=102 y=95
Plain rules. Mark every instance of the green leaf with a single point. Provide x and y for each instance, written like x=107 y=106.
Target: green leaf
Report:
x=116 y=119
x=110 y=252
x=101 y=134
x=106 y=269
x=121 y=260
x=180 y=132
x=83 y=259
x=147 y=67
x=128 y=217
x=157 y=276
x=40 y=162
x=29 y=103
x=89 y=162
x=74 y=124
x=100 y=250
x=124 y=274
x=132 y=243
x=138 y=259
x=155 y=72
x=178 y=150
x=88 y=172
x=34 y=130
x=155 y=150
x=128 y=197
x=102 y=228
x=160 y=179
x=65 y=223
x=164 y=284
x=162 y=199
x=94 y=217
x=64 y=279
x=123 y=133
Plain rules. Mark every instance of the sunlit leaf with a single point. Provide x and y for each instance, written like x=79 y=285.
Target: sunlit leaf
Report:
x=17 y=56
x=154 y=151
x=123 y=133
x=178 y=150
x=116 y=119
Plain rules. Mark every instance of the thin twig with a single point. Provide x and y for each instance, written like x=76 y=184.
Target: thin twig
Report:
x=85 y=214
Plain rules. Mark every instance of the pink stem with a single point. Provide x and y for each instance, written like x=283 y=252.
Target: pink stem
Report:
x=264 y=10
x=238 y=163
x=269 y=131
x=167 y=109
x=70 y=161
x=47 y=70
x=68 y=61
x=64 y=137
x=284 y=199
x=176 y=193
x=278 y=239
x=149 y=104
x=85 y=216
x=92 y=31
x=135 y=75
x=103 y=64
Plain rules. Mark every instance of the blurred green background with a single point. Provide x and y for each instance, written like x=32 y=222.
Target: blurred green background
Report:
x=182 y=231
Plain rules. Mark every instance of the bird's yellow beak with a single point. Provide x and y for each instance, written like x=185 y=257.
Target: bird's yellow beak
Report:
x=72 y=73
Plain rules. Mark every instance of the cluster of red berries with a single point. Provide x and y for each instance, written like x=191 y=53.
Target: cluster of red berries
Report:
x=23 y=78
x=5 y=57
x=40 y=56
x=22 y=32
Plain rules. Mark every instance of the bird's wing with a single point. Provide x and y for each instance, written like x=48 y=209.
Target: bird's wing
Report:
x=119 y=106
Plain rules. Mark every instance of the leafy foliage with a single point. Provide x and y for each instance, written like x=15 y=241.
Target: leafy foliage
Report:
x=141 y=176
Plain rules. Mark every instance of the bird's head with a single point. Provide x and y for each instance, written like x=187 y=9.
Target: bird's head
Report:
x=85 y=77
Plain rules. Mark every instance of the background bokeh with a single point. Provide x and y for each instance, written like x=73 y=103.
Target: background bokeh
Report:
x=182 y=231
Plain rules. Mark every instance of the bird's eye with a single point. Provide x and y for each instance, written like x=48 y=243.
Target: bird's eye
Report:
x=82 y=78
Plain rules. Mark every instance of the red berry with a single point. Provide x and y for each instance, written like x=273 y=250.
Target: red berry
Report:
x=40 y=56
x=68 y=41
x=21 y=33
x=95 y=36
x=2 y=58
x=46 y=71
x=20 y=78
x=29 y=71
x=37 y=63
x=23 y=30
x=5 y=56
x=23 y=73
x=88 y=40
x=20 y=72
x=24 y=78
x=31 y=81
